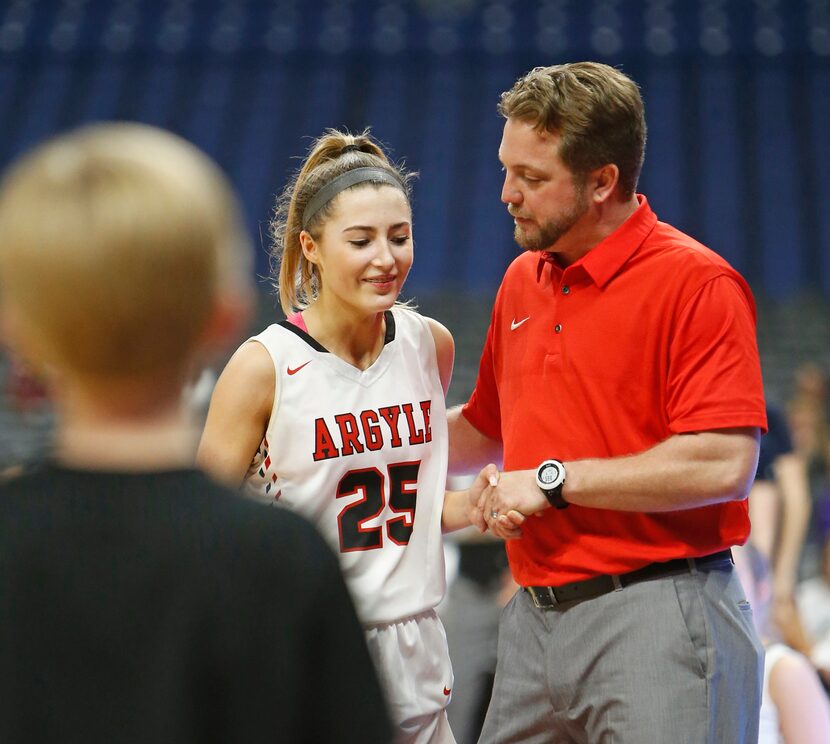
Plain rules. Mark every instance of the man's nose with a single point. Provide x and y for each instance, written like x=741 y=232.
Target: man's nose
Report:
x=509 y=193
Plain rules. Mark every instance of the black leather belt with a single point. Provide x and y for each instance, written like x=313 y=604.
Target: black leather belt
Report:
x=545 y=597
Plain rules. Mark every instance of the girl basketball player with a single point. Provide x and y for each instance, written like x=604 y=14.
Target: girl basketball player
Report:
x=338 y=412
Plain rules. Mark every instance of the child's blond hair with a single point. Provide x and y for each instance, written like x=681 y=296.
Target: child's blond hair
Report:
x=115 y=241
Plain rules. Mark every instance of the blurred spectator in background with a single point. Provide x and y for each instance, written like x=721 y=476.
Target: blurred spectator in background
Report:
x=808 y=411
x=813 y=597
x=25 y=392
x=794 y=708
x=807 y=416
x=779 y=510
x=26 y=413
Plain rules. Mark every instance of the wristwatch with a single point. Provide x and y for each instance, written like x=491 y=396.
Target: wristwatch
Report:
x=550 y=477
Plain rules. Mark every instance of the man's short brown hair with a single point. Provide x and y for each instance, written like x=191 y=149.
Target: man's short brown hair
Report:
x=595 y=109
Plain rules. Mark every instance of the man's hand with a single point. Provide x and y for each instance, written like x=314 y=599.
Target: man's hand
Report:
x=506 y=506
x=500 y=511
x=486 y=481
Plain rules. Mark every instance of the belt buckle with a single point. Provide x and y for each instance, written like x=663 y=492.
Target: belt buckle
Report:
x=544 y=600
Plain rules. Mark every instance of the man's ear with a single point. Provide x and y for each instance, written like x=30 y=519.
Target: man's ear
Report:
x=603 y=181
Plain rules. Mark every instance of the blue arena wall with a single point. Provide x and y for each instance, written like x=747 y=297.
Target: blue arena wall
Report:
x=737 y=95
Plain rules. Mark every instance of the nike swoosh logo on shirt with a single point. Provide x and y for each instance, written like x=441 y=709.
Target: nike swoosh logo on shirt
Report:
x=515 y=324
x=296 y=369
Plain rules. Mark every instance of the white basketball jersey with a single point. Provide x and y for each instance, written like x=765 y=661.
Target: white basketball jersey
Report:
x=363 y=455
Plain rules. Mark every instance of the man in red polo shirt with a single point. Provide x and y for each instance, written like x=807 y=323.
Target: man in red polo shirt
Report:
x=620 y=385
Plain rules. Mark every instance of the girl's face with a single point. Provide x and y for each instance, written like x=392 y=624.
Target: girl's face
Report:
x=364 y=253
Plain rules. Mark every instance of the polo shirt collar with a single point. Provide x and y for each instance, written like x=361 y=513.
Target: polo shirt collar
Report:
x=608 y=256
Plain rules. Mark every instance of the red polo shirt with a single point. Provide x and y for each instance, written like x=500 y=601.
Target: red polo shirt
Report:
x=649 y=334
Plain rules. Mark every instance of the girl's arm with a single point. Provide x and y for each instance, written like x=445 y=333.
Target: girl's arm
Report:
x=444 y=350
x=240 y=408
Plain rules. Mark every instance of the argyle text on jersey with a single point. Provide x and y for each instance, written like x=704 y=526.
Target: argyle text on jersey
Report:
x=346 y=433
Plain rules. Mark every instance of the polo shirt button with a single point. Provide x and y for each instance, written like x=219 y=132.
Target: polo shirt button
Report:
x=566 y=289
x=558 y=328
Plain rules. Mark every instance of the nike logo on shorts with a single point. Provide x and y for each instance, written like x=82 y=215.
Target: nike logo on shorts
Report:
x=296 y=369
x=516 y=323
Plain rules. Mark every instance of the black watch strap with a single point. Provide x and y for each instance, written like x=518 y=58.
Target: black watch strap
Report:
x=554 y=497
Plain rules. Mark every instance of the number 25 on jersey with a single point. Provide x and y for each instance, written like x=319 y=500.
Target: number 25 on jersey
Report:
x=370 y=484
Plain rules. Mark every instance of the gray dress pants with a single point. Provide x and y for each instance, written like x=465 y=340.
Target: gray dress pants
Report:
x=673 y=660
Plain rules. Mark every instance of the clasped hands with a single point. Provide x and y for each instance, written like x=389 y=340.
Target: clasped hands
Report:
x=501 y=502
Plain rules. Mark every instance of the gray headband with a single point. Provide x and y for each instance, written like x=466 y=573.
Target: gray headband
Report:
x=343 y=182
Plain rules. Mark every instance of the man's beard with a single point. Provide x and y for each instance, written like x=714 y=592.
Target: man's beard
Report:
x=554 y=229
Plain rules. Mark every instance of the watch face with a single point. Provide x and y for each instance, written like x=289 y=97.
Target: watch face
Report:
x=550 y=474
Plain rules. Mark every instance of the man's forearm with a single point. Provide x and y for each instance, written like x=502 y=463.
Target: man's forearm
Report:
x=686 y=471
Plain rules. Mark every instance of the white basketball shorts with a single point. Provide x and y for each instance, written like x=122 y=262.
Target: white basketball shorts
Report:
x=414 y=668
